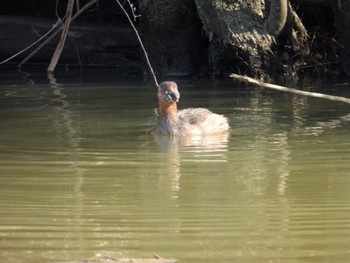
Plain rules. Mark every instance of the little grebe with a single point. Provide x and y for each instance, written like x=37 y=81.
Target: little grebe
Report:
x=192 y=121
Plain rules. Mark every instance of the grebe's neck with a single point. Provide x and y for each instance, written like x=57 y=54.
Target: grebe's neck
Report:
x=168 y=108
x=168 y=122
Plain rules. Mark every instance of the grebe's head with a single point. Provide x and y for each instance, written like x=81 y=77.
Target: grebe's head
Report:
x=168 y=92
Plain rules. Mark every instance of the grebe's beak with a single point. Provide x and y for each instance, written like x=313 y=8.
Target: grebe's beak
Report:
x=169 y=96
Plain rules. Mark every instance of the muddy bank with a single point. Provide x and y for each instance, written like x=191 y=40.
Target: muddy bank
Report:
x=260 y=38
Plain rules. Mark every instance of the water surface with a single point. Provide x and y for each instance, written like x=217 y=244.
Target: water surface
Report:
x=81 y=177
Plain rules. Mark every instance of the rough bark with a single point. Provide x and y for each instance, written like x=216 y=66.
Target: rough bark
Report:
x=244 y=33
x=239 y=25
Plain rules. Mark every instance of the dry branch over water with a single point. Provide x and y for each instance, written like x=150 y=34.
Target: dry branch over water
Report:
x=60 y=45
x=290 y=90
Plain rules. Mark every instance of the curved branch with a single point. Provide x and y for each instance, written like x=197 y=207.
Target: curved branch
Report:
x=277 y=17
x=140 y=41
x=290 y=90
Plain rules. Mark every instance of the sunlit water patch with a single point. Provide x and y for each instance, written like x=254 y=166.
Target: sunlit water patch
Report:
x=83 y=178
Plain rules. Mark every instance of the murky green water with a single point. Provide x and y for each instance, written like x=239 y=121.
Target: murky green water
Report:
x=81 y=177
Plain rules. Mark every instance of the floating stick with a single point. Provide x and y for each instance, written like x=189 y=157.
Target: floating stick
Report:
x=294 y=91
x=138 y=37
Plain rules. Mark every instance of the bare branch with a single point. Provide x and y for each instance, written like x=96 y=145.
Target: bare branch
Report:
x=60 y=45
x=294 y=91
x=142 y=46
x=33 y=44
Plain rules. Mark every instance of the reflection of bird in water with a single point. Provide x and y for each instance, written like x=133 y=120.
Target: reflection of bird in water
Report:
x=192 y=121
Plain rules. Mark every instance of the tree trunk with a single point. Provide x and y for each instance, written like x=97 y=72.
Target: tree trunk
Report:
x=237 y=30
x=244 y=33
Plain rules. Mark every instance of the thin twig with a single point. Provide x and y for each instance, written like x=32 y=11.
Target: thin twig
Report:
x=142 y=46
x=133 y=10
x=59 y=19
x=294 y=91
x=33 y=44
x=77 y=4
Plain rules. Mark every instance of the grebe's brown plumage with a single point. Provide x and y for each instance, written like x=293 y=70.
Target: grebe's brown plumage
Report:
x=192 y=121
